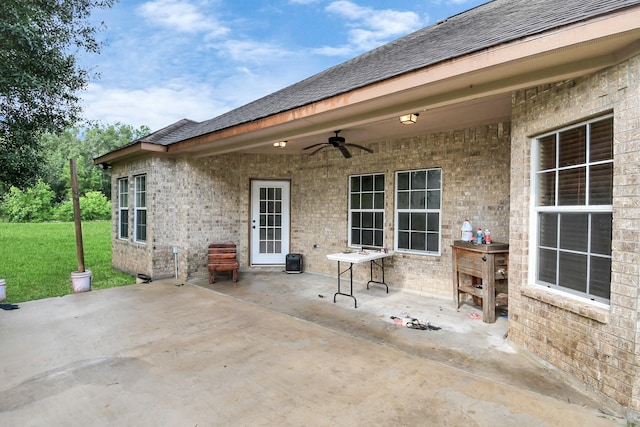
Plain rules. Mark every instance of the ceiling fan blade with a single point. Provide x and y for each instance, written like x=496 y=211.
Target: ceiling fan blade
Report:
x=368 y=150
x=344 y=151
x=315 y=151
x=314 y=145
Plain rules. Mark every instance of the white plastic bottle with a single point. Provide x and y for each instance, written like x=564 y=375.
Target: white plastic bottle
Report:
x=467 y=231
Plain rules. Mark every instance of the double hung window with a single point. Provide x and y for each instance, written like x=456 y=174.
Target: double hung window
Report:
x=418 y=211
x=573 y=176
x=141 y=208
x=123 y=208
x=366 y=210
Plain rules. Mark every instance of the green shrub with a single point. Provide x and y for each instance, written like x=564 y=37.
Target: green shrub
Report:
x=93 y=206
x=30 y=205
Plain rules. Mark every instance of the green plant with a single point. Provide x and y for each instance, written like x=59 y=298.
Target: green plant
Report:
x=93 y=206
x=30 y=205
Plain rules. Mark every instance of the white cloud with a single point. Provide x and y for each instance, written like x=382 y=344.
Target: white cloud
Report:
x=370 y=28
x=250 y=51
x=181 y=16
x=153 y=106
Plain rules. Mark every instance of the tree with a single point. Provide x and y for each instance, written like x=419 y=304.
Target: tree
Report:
x=83 y=144
x=40 y=77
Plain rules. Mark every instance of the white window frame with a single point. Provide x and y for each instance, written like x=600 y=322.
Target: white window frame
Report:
x=357 y=198
x=427 y=211
x=585 y=209
x=123 y=207
x=140 y=204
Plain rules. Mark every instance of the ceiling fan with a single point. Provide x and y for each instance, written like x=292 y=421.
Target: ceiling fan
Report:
x=339 y=143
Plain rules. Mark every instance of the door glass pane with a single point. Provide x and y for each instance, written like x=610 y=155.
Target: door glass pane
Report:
x=270 y=220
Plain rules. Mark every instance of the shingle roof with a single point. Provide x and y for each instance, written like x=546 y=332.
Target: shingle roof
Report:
x=488 y=25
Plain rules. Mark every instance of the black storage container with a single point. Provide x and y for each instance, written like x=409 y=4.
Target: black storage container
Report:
x=294 y=263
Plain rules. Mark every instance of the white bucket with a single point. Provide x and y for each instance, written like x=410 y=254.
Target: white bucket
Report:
x=81 y=281
x=3 y=290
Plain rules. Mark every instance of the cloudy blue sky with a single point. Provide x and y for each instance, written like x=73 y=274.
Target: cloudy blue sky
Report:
x=165 y=60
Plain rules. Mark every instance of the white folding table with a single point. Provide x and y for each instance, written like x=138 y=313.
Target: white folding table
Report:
x=357 y=257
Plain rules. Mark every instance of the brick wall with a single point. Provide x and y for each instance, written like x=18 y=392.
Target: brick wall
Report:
x=155 y=257
x=193 y=202
x=595 y=343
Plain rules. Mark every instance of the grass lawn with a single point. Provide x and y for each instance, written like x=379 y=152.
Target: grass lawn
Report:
x=36 y=260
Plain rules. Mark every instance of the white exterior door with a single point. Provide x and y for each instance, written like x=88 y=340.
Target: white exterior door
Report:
x=269 y=222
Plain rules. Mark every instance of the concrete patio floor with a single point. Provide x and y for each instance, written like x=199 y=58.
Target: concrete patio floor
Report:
x=273 y=349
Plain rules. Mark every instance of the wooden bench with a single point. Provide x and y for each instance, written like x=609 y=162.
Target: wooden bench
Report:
x=222 y=257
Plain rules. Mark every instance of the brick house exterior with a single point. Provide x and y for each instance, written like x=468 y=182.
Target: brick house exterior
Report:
x=495 y=93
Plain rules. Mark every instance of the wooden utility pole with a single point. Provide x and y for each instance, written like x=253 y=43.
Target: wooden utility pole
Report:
x=76 y=215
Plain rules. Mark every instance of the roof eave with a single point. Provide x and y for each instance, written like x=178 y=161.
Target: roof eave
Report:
x=563 y=53
x=129 y=151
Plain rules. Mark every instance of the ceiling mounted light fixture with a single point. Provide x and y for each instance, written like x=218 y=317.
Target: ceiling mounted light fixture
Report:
x=280 y=144
x=409 y=119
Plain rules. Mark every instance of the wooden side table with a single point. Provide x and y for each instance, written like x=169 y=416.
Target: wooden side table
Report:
x=486 y=262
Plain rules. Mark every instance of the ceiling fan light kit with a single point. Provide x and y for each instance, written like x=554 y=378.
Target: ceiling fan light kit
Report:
x=339 y=143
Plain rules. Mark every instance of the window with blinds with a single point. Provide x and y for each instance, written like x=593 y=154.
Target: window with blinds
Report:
x=123 y=208
x=574 y=208
x=140 y=203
